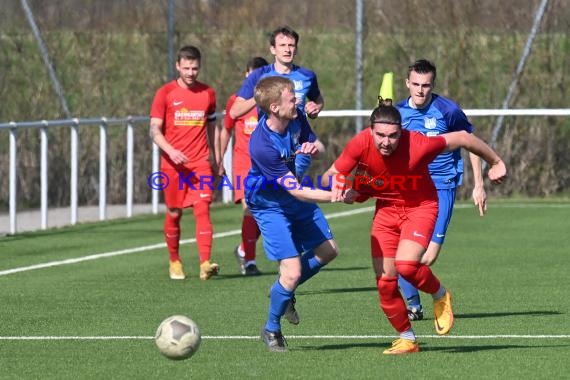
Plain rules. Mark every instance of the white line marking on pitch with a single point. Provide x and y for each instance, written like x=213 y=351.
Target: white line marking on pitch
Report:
x=150 y=247
x=255 y=337
x=237 y=232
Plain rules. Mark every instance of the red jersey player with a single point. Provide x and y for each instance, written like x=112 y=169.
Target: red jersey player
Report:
x=392 y=166
x=243 y=126
x=182 y=124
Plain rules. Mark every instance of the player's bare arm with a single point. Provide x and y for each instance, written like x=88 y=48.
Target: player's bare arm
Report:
x=225 y=136
x=479 y=195
x=241 y=106
x=211 y=134
x=454 y=140
x=289 y=182
x=340 y=186
x=158 y=138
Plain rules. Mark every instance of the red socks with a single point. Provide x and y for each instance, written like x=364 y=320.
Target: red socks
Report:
x=204 y=230
x=249 y=235
x=172 y=235
x=419 y=275
x=392 y=303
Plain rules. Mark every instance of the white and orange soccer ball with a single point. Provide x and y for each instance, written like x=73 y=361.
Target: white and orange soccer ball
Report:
x=178 y=337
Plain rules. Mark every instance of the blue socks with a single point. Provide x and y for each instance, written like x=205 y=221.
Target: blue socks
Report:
x=411 y=294
x=279 y=298
x=310 y=266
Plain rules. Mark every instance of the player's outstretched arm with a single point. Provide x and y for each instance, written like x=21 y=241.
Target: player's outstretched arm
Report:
x=304 y=193
x=340 y=185
x=454 y=140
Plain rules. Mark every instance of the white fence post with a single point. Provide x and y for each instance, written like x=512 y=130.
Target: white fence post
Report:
x=155 y=168
x=103 y=169
x=44 y=175
x=130 y=167
x=13 y=175
x=74 y=170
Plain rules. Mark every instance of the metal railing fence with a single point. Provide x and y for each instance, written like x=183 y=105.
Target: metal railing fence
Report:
x=104 y=123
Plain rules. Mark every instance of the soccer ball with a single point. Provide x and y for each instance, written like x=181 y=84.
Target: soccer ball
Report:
x=178 y=337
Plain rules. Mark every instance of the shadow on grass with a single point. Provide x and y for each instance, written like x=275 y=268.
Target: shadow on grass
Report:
x=337 y=290
x=274 y=273
x=336 y=269
x=234 y=276
x=507 y=314
x=426 y=348
x=487 y=347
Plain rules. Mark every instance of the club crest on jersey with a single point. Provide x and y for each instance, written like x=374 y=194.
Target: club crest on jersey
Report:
x=295 y=137
x=287 y=158
x=430 y=123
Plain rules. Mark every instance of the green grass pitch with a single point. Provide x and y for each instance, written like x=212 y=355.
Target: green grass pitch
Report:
x=65 y=317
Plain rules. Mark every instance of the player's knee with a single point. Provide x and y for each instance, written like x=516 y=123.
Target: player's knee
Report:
x=327 y=252
x=388 y=288
x=174 y=213
x=407 y=269
x=329 y=255
x=201 y=209
x=290 y=278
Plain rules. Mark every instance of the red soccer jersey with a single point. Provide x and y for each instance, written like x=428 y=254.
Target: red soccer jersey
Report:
x=402 y=176
x=244 y=127
x=185 y=113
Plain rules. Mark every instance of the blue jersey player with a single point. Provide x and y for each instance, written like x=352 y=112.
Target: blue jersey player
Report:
x=283 y=46
x=294 y=230
x=432 y=115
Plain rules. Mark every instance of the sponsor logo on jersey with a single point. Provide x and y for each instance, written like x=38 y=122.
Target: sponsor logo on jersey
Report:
x=189 y=118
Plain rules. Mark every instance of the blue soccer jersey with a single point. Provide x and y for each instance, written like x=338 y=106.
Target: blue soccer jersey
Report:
x=272 y=157
x=305 y=80
x=442 y=115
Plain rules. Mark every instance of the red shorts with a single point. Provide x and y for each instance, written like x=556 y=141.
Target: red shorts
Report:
x=189 y=186
x=394 y=222
x=239 y=174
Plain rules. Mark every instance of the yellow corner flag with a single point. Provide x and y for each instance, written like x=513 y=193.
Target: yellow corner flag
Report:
x=386 y=88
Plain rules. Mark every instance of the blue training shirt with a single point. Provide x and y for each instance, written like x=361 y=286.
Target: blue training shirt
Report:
x=441 y=115
x=272 y=157
x=305 y=80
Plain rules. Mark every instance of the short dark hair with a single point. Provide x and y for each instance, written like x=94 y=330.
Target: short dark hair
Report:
x=256 y=62
x=385 y=113
x=285 y=30
x=423 y=66
x=189 y=52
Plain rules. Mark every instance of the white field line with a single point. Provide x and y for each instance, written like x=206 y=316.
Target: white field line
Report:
x=237 y=232
x=151 y=247
x=516 y=205
x=324 y=337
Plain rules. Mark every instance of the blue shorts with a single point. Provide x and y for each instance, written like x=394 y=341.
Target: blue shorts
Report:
x=287 y=234
x=446 y=200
